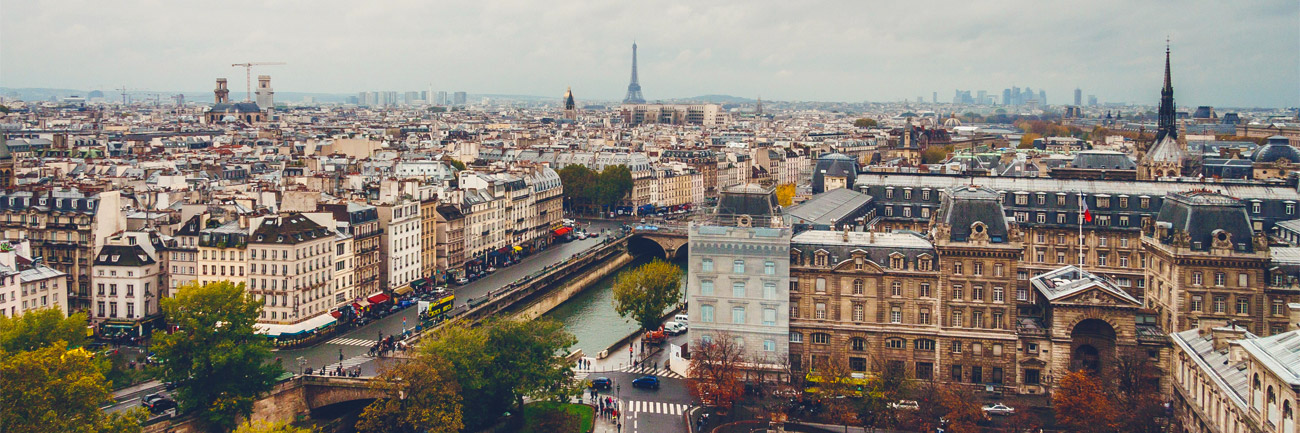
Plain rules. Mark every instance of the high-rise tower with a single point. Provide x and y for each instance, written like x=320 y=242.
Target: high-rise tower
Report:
x=634 y=88
x=1165 y=125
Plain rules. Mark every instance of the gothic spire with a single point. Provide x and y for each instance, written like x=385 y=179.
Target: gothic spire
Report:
x=1166 y=125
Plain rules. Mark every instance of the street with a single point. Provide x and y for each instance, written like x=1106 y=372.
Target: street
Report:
x=644 y=410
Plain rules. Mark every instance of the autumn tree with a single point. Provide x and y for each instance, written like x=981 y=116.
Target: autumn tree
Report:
x=785 y=194
x=645 y=292
x=500 y=362
x=420 y=395
x=215 y=355
x=1136 y=382
x=54 y=390
x=1027 y=140
x=865 y=123
x=886 y=388
x=456 y=163
x=963 y=411
x=715 y=375
x=41 y=328
x=1082 y=405
x=935 y=154
x=267 y=427
x=1023 y=422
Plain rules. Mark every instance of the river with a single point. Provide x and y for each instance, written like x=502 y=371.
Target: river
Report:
x=590 y=315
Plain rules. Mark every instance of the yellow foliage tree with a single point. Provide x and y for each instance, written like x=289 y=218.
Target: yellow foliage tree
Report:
x=785 y=194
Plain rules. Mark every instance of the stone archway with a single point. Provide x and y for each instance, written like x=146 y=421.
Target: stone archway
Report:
x=1092 y=345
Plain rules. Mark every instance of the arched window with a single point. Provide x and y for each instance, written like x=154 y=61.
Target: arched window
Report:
x=858 y=344
x=1257 y=393
x=1270 y=413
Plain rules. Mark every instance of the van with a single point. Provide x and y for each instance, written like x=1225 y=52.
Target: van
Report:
x=680 y=318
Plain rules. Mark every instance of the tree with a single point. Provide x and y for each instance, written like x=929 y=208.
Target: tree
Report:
x=785 y=194
x=1136 y=392
x=421 y=395
x=55 y=390
x=963 y=413
x=456 y=163
x=215 y=355
x=1081 y=404
x=266 y=427
x=865 y=123
x=500 y=362
x=579 y=184
x=1027 y=140
x=644 y=292
x=615 y=182
x=715 y=375
x=41 y=328
x=935 y=154
x=1023 y=422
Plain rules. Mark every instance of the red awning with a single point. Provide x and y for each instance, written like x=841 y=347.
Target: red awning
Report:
x=336 y=314
x=378 y=299
x=357 y=306
x=563 y=231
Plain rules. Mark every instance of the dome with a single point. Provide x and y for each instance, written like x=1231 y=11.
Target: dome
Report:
x=952 y=121
x=1276 y=149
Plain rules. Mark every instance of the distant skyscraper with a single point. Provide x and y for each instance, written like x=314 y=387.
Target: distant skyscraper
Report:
x=442 y=98
x=934 y=98
x=1092 y=100
x=1006 y=96
x=460 y=98
x=1042 y=97
x=1078 y=97
x=634 y=88
x=982 y=98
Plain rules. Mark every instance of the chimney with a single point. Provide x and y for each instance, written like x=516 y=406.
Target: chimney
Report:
x=1222 y=336
x=1293 y=312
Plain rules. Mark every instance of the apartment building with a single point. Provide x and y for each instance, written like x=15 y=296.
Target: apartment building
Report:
x=1226 y=379
x=291 y=263
x=65 y=227
x=451 y=241
x=400 y=245
x=128 y=281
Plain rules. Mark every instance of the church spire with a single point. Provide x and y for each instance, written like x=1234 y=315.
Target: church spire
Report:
x=1165 y=123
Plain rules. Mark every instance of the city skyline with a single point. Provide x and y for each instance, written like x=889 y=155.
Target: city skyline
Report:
x=819 y=52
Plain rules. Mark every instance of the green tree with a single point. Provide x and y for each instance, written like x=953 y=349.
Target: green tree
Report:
x=644 y=292
x=266 y=427
x=579 y=184
x=215 y=355
x=56 y=390
x=865 y=123
x=615 y=182
x=421 y=395
x=41 y=328
x=500 y=362
x=935 y=154
x=456 y=163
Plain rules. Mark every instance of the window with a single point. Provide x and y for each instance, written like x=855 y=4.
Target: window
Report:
x=738 y=289
x=769 y=345
x=896 y=288
x=1123 y=261
x=956 y=319
x=769 y=268
x=707 y=265
x=1102 y=259
x=769 y=290
x=956 y=268
x=1198 y=278
x=1243 y=306
x=954 y=373
x=1060 y=257
x=924 y=344
x=1220 y=304
x=956 y=347
x=859 y=313
x=1031 y=347
x=997 y=320
x=1243 y=279
x=997 y=350
x=1220 y=278
x=769 y=317
x=821 y=338
x=1022 y=294
x=979 y=268
x=858 y=344
x=796 y=337
x=977 y=293
x=896 y=315
x=977 y=319
x=1196 y=303
x=895 y=343
x=858 y=286
x=956 y=292
x=738 y=266
x=706 y=313
x=819 y=310
x=1039 y=256
x=857 y=363
x=1032 y=376
x=924 y=316
x=112 y=290
x=925 y=290
x=794 y=308
x=706 y=287
x=997 y=375
x=820 y=286
x=130 y=290
x=1279 y=307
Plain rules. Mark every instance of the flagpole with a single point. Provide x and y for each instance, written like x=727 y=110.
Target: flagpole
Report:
x=1082 y=210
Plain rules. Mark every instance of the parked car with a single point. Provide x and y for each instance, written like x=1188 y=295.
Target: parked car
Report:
x=650 y=382
x=491 y=269
x=675 y=328
x=999 y=409
x=905 y=405
x=601 y=383
x=462 y=281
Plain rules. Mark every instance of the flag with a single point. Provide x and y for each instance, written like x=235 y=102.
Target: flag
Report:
x=1083 y=205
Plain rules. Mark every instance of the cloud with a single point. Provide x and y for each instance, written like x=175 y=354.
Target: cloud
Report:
x=1224 y=54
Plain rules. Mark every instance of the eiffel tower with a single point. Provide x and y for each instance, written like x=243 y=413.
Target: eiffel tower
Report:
x=634 y=88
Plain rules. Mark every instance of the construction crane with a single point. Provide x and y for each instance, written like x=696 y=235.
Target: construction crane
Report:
x=123 y=90
x=248 y=76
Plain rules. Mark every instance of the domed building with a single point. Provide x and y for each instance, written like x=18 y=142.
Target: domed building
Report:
x=1275 y=160
x=225 y=111
x=833 y=171
x=952 y=121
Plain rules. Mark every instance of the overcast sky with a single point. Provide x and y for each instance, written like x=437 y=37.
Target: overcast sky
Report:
x=1225 y=53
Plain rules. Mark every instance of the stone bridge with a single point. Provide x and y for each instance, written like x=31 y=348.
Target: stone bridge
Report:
x=288 y=400
x=659 y=239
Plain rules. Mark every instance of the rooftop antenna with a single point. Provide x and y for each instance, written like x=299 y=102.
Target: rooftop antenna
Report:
x=248 y=76
x=123 y=90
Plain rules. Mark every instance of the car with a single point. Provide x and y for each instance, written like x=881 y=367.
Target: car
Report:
x=162 y=405
x=683 y=318
x=491 y=269
x=170 y=385
x=999 y=409
x=649 y=382
x=462 y=281
x=675 y=328
x=601 y=383
x=905 y=405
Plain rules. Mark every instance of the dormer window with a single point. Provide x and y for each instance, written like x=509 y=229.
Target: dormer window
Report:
x=115 y=258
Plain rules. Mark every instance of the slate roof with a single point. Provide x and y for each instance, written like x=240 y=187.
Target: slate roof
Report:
x=962 y=207
x=1225 y=374
x=1280 y=353
x=1166 y=150
x=1277 y=148
x=1200 y=214
x=877 y=248
x=1102 y=159
x=835 y=165
x=289 y=229
x=830 y=208
x=748 y=199
x=123 y=255
x=1070 y=280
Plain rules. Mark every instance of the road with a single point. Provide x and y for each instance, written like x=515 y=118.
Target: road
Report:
x=349 y=349
x=644 y=410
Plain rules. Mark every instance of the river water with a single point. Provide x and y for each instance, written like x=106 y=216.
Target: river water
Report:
x=590 y=315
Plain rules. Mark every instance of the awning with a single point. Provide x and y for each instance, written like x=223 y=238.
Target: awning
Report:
x=360 y=305
x=378 y=299
x=278 y=330
x=403 y=290
x=518 y=248
x=563 y=231
x=336 y=314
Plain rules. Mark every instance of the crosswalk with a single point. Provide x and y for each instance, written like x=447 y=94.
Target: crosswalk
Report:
x=633 y=406
x=661 y=372
x=352 y=342
x=349 y=363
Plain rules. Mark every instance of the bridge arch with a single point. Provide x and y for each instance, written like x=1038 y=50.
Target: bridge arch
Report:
x=639 y=245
